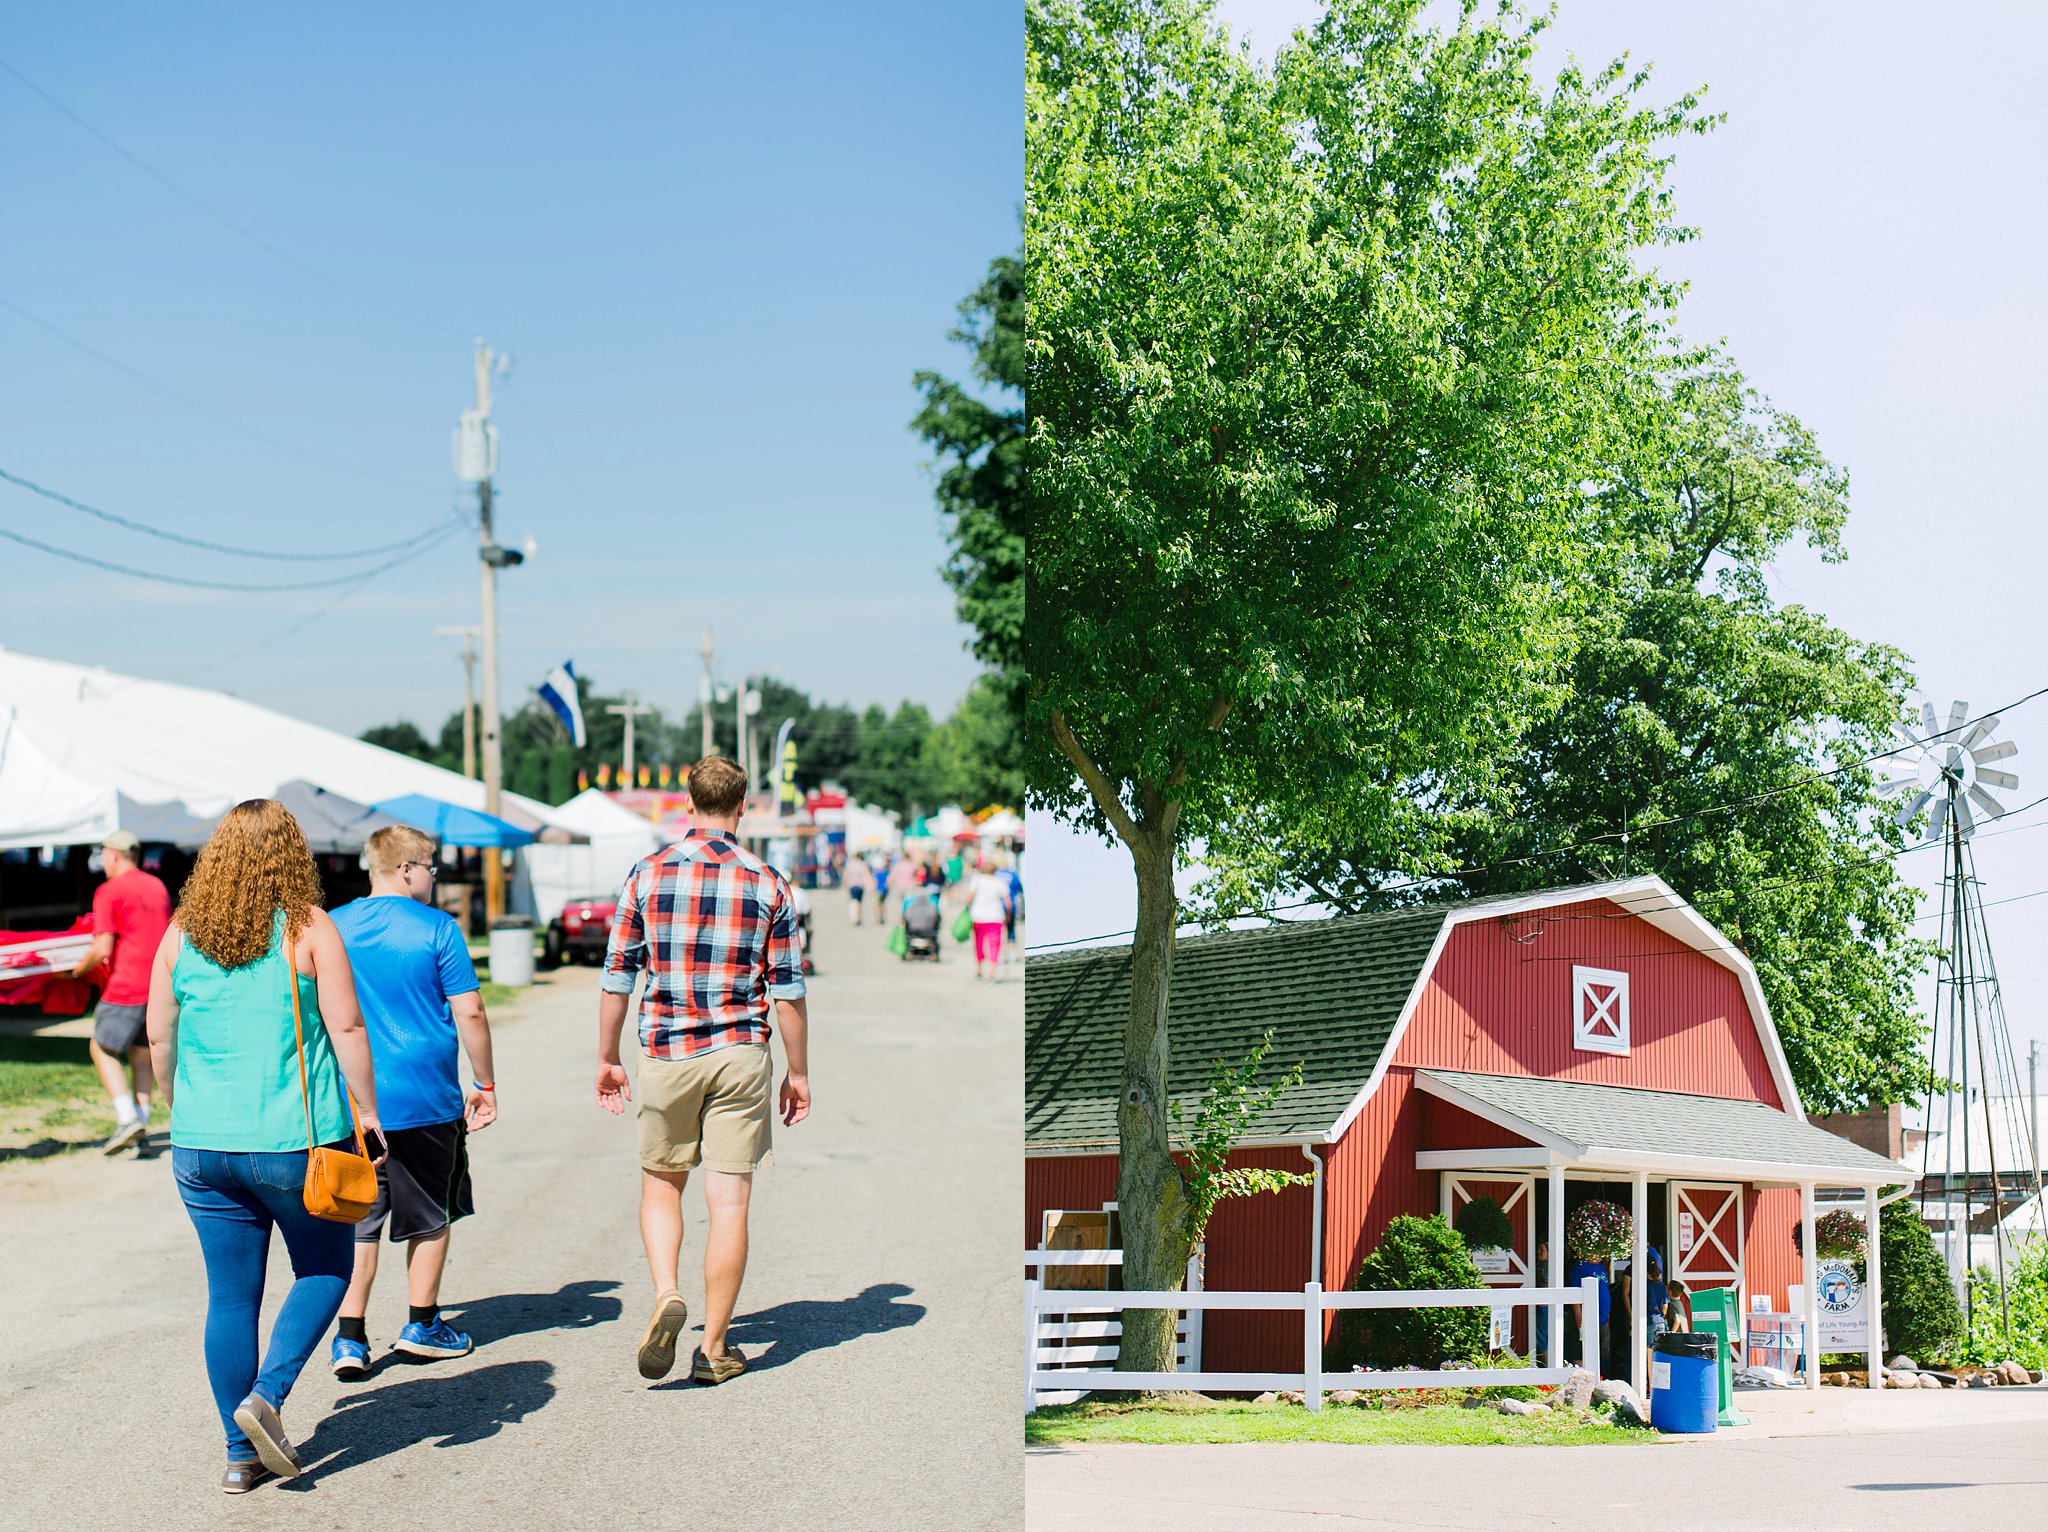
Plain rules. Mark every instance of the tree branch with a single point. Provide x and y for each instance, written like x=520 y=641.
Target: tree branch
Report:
x=1105 y=796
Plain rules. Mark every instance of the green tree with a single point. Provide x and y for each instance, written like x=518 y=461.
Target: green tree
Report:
x=402 y=736
x=1318 y=362
x=978 y=434
x=1689 y=688
x=977 y=752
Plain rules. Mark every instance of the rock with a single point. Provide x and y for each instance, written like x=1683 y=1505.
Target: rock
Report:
x=1978 y=1380
x=1945 y=1379
x=1266 y=1398
x=1538 y=1407
x=1928 y=1380
x=1471 y=1402
x=2038 y=1376
x=1514 y=1406
x=1578 y=1389
x=1903 y=1363
x=1902 y=1379
x=1628 y=1407
x=1292 y=1396
x=2015 y=1374
x=1344 y=1396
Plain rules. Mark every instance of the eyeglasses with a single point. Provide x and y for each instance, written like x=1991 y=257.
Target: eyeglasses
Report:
x=429 y=868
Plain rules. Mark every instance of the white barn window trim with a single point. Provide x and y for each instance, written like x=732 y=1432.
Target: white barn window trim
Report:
x=1599 y=1010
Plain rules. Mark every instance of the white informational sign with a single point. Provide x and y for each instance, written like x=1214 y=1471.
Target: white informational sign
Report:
x=1660 y=1375
x=1685 y=1233
x=1844 y=1315
x=1492 y=1262
x=1502 y=1331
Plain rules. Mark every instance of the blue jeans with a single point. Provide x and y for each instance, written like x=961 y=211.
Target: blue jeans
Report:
x=233 y=1200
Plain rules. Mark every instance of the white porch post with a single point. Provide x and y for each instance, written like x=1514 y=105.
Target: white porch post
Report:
x=1873 y=1300
x=1555 y=1276
x=1809 y=1298
x=1639 y=1285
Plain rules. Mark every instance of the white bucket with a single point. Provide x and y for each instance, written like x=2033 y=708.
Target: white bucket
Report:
x=512 y=952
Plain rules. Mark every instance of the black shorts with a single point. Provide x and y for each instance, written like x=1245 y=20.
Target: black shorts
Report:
x=423 y=1184
x=118 y=1028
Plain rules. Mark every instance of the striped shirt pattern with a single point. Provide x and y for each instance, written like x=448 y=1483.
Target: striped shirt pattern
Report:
x=715 y=928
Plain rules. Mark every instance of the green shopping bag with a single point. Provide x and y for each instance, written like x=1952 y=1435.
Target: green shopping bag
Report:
x=963 y=924
x=898 y=942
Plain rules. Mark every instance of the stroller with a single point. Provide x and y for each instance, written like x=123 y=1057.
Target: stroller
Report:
x=921 y=928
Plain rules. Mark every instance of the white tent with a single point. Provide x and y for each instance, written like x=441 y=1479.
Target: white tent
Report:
x=156 y=740
x=52 y=793
x=548 y=877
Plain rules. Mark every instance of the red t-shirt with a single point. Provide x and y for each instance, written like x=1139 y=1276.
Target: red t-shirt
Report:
x=136 y=908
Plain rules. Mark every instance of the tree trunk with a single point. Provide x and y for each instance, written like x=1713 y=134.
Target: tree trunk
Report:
x=1151 y=1201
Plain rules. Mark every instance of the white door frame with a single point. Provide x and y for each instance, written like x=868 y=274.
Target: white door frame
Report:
x=1454 y=1192
x=1710 y=1237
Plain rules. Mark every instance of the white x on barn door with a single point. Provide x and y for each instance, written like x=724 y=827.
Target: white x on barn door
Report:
x=1516 y=1195
x=1705 y=1223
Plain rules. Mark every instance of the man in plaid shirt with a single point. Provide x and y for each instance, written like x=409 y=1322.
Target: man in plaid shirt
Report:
x=715 y=929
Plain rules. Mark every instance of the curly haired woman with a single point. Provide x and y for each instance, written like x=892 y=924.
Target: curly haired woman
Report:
x=248 y=926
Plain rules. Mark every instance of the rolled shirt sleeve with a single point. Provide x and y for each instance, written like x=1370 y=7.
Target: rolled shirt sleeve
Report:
x=785 y=956
x=625 y=954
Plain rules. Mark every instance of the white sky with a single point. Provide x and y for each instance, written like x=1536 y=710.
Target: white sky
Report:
x=1871 y=252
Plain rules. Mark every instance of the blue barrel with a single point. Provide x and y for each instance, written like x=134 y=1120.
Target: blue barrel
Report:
x=1685 y=1391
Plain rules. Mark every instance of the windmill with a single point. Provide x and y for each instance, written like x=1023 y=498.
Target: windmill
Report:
x=1951 y=771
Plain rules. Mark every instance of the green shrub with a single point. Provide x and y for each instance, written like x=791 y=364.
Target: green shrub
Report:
x=1484 y=1225
x=1838 y=1234
x=1986 y=1341
x=1412 y=1253
x=1921 y=1316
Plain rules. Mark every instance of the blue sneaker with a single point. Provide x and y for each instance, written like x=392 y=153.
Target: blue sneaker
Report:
x=350 y=1359
x=437 y=1339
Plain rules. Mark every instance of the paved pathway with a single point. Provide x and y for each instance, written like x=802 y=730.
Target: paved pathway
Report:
x=1844 y=1461
x=881 y=1303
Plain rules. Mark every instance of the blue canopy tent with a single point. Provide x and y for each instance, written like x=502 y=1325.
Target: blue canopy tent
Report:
x=453 y=826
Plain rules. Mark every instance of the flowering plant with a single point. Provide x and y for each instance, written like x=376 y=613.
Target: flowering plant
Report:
x=1839 y=1235
x=1598 y=1231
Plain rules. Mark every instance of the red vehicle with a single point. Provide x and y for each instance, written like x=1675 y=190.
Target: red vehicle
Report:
x=580 y=932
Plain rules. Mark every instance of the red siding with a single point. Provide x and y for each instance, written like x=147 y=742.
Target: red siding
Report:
x=1500 y=1002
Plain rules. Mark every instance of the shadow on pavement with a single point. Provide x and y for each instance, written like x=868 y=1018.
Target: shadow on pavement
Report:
x=788 y=1330
x=456 y=1408
x=575 y=1306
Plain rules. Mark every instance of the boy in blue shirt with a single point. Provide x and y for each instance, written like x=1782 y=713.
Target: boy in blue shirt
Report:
x=419 y=996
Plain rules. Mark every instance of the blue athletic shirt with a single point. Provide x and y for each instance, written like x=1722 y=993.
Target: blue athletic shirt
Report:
x=408 y=959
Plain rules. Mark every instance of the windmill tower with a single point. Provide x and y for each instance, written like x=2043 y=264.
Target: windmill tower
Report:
x=1951 y=771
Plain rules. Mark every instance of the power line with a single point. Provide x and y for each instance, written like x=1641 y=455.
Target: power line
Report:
x=271 y=640
x=229 y=223
x=447 y=528
x=210 y=413
x=196 y=542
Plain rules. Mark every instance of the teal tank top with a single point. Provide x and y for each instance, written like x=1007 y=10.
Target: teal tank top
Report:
x=238 y=1067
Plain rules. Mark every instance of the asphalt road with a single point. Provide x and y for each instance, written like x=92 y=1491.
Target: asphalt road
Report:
x=880 y=1306
x=1844 y=1462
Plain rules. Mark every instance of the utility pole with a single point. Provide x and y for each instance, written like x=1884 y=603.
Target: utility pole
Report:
x=476 y=459
x=704 y=696
x=468 y=637
x=630 y=709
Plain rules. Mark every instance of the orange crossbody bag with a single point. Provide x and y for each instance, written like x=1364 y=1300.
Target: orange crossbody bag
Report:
x=339 y=1185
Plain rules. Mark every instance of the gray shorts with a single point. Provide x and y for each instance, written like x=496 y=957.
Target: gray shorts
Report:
x=117 y=1028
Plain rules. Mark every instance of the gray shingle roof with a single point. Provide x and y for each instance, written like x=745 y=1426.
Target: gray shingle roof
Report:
x=1595 y=1117
x=1331 y=990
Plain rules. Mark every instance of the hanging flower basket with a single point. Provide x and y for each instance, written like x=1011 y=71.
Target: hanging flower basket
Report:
x=1598 y=1231
x=1839 y=1235
x=1484 y=1225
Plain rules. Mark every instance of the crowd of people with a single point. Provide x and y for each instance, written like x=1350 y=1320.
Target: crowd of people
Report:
x=910 y=892
x=310 y=1063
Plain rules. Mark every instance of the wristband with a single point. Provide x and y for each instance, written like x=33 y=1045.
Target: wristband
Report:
x=481 y=1086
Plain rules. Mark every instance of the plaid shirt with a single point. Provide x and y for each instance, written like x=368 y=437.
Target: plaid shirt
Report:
x=715 y=928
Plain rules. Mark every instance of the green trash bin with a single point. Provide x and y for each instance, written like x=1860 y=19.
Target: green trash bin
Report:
x=1717 y=1311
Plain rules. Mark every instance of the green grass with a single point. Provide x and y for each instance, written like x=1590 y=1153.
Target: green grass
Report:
x=1224 y=1421
x=50 y=1096
x=498 y=996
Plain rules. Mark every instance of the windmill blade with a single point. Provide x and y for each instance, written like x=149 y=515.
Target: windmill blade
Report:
x=1958 y=714
x=1990 y=805
x=1985 y=728
x=1897 y=785
x=1938 y=825
x=1997 y=752
x=1966 y=824
x=1928 y=726
x=1906 y=815
x=1909 y=743
x=2000 y=779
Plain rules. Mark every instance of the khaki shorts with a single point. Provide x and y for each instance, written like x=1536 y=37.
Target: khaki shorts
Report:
x=710 y=1109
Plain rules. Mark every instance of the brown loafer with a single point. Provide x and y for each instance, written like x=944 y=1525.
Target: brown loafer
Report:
x=257 y=1416
x=243 y=1475
x=658 y=1345
x=727 y=1365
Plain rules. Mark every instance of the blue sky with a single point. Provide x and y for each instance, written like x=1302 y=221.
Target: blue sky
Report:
x=1872 y=217
x=716 y=242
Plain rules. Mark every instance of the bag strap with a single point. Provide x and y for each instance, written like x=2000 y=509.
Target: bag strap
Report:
x=291 y=976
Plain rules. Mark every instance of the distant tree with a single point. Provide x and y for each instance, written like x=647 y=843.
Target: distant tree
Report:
x=403 y=737
x=1319 y=360
x=977 y=752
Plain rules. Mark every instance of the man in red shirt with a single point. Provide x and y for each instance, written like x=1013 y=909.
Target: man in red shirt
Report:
x=130 y=912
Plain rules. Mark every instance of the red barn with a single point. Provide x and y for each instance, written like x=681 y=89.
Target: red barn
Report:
x=1541 y=1049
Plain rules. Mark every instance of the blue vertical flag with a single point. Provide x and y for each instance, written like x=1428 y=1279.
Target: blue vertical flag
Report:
x=558 y=691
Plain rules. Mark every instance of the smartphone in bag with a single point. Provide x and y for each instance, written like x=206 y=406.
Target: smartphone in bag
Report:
x=374 y=1142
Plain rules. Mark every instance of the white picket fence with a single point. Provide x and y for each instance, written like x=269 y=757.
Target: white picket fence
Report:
x=1048 y=1367
x=1065 y=1342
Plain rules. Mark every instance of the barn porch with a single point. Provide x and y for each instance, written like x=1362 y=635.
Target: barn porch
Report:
x=1538 y=1146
